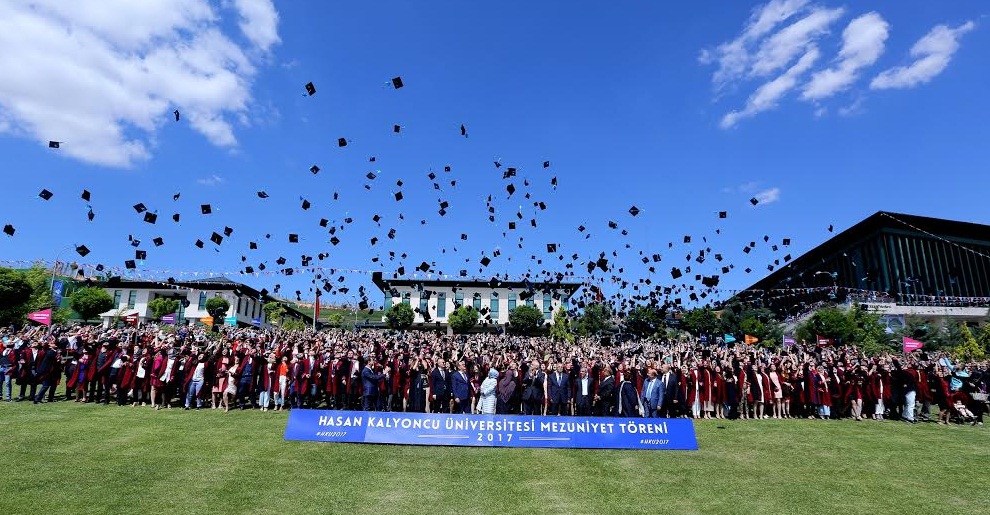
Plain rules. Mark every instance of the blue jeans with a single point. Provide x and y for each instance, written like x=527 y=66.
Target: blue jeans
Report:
x=909 y=398
x=6 y=383
x=193 y=393
x=45 y=386
x=264 y=398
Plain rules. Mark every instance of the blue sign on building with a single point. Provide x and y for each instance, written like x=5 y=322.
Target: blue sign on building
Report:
x=57 y=288
x=491 y=430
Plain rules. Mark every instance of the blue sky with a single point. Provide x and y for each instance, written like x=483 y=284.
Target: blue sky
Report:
x=842 y=109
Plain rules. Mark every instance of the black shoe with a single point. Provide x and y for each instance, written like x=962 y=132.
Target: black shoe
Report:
x=187 y=408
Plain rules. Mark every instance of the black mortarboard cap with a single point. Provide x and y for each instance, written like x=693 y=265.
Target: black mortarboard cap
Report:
x=634 y=211
x=140 y=254
x=293 y=238
x=311 y=89
x=551 y=247
x=9 y=230
x=722 y=214
x=324 y=222
x=227 y=231
x=675 y=273
x=341 y=142
x=199 y=243
x=262 y=194
x=485 y=261
x=463 y=130
x=280 y=260
x=305 y=204
x=396 y=83
x=159 y=241
x=314 y=169
x=53 y=144
x=85 y=195
x=787 y=241
x=82 y=250
x=150 y=217
x=175 y=217
x=45 y=194
x=546 y=164
x=206 y=209
x=216 y=238
x=130 y=264
x=398 y=196
x=334 y=241
x=754 y=201
x=396 y=128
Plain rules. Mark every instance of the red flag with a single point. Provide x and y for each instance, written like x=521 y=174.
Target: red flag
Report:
x=43 y=317
x=316 y=309
x=911 y=344
x=823 y=341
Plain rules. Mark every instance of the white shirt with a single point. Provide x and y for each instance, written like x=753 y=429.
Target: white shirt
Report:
x=585 y=381
x=198 y=373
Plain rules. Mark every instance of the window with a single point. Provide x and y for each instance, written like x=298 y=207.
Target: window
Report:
x=202 y=301
x=477 y=302
x=529 y=301
x=131 y=299
x=406 y=298
x=547 y=306
x=512 y=301
x=424 y=303
x=494 y=305
x=117 y=294
x=441 y=304
x=458 y=299
x=388 y=300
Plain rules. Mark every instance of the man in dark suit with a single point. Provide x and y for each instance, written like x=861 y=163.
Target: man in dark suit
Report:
x=606 y=393
x=460 y=388
x=668 y=381
x=45 y=370
x=560 y=391
x=369 y=383
x=652 y=394
x=440 y=388
x=584 y=392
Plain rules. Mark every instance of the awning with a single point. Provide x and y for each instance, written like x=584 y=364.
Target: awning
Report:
x=121 y=313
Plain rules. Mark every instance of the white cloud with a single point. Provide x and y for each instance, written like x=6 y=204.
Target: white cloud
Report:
x=104 y=75
x=212 y=180
x=259 y=22
x=768 y=196
x=768 y=95
x=778 y=50
x=733 y=57
x=932 y=54
x=863 y=42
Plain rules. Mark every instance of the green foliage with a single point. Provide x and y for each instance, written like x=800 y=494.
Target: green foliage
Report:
x=936 y=335
x=14 y=309
x=15 y=290
x=524 y=319
x=400 y=316
x=594 y=320
x=293 y=324
x=835 y=323
x=463 y=319
x=869 y=335
x=217 y=307
x=274 y=312
x=700 y=321
x=61 y=316
x=645 y=321
x=335 y=319
x=163 y=306
x=968 y=349
x=560 y=330
x=984 y=337
x=89 y=302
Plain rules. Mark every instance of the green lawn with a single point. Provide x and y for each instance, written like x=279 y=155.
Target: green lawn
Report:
x=68 y=458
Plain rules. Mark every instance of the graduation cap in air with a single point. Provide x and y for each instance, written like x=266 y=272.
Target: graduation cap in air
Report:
x=216 y=238
x=54 y=144
x=9 y=230
x=546 y=164
x=551 y=248
x=305 y=204
x=396 y=128
x=175 y=217
x=787 y=242
x=485 y=261
x=82 y=250
x=723 y=214
x=206 y=209
x=310 y=89
x=158 y=241
x=396 y=83
x=177 y=114
x=262 y=194
x=130 y=264
x=227 y=231
x=371 y=176
x=463 y=130
x=45 y=194
x=280 y=260
x=634 y=211
x=676 y=273
x=199 y=243
x=85 y=195
x=831 y=228
x=140 y=254
x=398 y=196
x=314 y=169
x=341 y=142
x=90 y=215
x=293 y=238
x=334 y=241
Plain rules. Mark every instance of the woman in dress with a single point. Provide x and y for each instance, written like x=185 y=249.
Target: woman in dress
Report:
x=230 y=392
x=488 y=394
x=282 y=382
x=220 y=383
x=80 y=377
x=157 y=385
x=140 y=376
x=778 y=392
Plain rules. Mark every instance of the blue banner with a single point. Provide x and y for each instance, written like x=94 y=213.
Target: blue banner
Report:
x=57 y=288
x=491 y=430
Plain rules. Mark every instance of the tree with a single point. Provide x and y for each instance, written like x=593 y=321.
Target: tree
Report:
x=399 y=317
x=163 y=306
x=969 y=349
x=15 y=290
x=274 y=312
x=644 y=321
x=463 y=319
x=699 y=321
x=560 y=330
x=525 y=319
x=834 y=323
x=870 y=335
x=217 y=307
x=89 y=302
x=335 y=319
x=293 y=324
x=594 y=320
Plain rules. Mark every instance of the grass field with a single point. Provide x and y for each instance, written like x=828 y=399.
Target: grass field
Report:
x=69 y=458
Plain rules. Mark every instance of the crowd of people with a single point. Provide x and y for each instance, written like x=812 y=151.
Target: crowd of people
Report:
x=194 y=368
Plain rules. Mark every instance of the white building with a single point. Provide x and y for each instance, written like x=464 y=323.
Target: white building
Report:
x=433 y=300
x=132 y=297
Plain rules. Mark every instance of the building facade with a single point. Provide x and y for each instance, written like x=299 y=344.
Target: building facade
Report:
x=133 y=297
x=434 y=300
